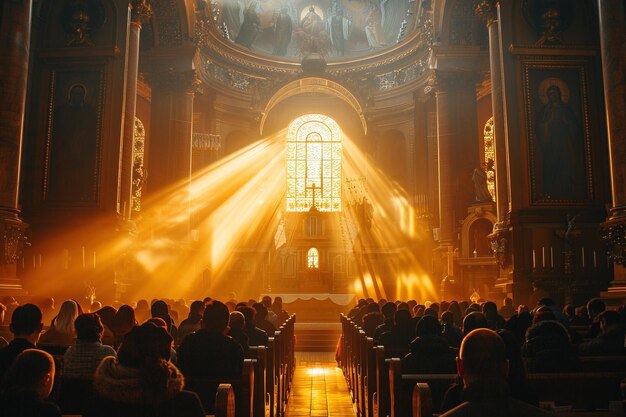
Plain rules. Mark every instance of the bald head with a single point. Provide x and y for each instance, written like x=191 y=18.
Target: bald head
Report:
x=482 y=356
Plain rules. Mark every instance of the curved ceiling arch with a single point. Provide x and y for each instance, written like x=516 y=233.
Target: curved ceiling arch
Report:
x=313 y=85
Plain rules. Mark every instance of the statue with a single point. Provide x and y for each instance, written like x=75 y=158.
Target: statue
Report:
x=340 y=28
x=481 y=191
x=373 y=28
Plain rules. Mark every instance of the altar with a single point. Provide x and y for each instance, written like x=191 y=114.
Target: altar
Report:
x=316 y=307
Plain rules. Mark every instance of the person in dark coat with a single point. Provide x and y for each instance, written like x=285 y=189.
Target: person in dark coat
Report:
x=372 y=319
x=388 y=310
x=430 y=353
x=548 y=348
x=261 y=321
x=611 y=339
x=29 y=382
x=161 y=310
x=402 y=332
x=209 y=352
x=26 y=327
x=142 y=381
x=236 y=324
x=256 y=336
x=193 y=322
x=451 y=333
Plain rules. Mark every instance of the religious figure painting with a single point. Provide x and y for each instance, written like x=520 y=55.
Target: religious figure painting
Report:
x=558 y=130
x=73 y=137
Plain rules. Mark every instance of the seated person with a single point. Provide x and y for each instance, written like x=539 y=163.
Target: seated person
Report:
x=236 y=325
x=29 y=382
x=61 y=330
x=192 y=322
x=26 y=327
x=142 y=381
x=401 y=334
x=610 y=340
x=209 y=352
x=256 y=336
x=430 y=353
x=548 y=348
x=261 y=319
x=483 y=366
x=82 y=359
x=450 y=332
x=388 y=310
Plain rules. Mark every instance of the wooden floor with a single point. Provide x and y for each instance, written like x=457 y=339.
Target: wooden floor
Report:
x=319 y=388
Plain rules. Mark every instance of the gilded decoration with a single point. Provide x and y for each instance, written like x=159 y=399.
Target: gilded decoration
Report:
x=549 y=19
x=13 y=240
x=558 y=131
x=81 y=19
x=486 y=11
x=141 y=12
x=168 y=22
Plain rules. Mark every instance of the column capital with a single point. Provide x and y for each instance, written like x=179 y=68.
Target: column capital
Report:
x=445 y=81
x=141 y=11
x=172 y=80
x=486 y=11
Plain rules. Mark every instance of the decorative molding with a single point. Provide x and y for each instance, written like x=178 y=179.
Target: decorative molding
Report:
x=13 y=240
x=171 y=80
x=81 y=19
x=486 y=11
x=141 y=12
x=168 y=20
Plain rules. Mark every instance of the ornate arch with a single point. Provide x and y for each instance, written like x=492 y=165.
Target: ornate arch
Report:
x=313 y=85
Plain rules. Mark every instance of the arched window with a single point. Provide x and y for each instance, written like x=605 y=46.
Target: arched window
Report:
x=313 y=259
x=313 y=164
x=139 y=139
x=490 y=154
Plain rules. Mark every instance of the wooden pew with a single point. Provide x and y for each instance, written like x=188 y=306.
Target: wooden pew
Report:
x=261 y=407
x=602 y=363
x=206 y=389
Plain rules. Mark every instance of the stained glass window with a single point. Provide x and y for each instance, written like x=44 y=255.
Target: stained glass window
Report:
x=313 y=259
x=139 y=138
x=490 y=155
x=313 y=164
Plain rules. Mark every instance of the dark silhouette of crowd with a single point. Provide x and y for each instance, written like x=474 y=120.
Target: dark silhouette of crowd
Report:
x=132 y=360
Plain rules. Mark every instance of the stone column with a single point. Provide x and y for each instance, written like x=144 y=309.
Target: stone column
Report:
x=486 y=10
x=140 y=13
x=14 y=49
x=613 y=49
x=169 y=148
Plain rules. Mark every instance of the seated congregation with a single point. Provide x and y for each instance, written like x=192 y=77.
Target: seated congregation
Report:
x=228 y=359
x=473 y=359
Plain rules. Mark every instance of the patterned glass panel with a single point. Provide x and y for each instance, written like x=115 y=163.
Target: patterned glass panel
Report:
x=313 y=259
x=314 y=161
x=490 y=155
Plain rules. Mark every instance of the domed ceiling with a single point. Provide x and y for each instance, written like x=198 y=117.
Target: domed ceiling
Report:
x=290 y=28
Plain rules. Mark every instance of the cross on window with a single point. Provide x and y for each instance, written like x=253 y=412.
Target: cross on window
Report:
x=313 y=187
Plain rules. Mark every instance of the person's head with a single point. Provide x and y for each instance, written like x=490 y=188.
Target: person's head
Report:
x=159 y=309
x=215 y=317
x=490 y=308
x=402 y=317
x=595 y=306
x=124 y=320
x=64 y=321
x=473 y=321
x=427 y=326
x=543 y=313
x=267 y=301
x=33 y=370
x=142 y=305
x=372 y=308
x=389 y=310
x=482 y=357
x=231 y=305
x=609 y=318
x=447 y=318
x=47 y=304
x=546 y=301
x=569 y=310
x=95 y=306
x=197 y=308
x=261 y=311
x=26 y=322
x=249 y=313
x=107 y=315
x=89 y=328
x=143 y=345
x=237 y=321
x=507 y=302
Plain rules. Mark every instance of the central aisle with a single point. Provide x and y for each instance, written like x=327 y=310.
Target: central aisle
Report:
x=319 y=388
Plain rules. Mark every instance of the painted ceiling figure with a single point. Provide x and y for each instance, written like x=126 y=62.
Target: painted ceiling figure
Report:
x=340 y=28
x=311 y=34
x=282 y=31
x=231 y=16
x=250 y=27
x=373 y=28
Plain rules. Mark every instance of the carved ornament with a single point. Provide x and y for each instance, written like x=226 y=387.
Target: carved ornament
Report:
x=486 y=11
x=13 y=240
x=141 y=11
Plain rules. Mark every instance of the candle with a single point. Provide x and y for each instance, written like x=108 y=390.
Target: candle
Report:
x=551 y=258
x=83 y=256
x=534 y=260
x=543 y=257
x=595 y=263
x=583 y=256
x=94 y=260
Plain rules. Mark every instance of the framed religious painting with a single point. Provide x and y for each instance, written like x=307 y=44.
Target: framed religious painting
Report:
x=558 y=133
x=73 y=136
